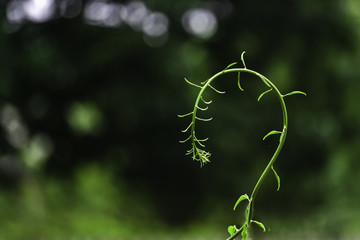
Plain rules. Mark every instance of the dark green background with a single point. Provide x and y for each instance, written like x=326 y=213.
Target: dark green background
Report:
x=101 y=105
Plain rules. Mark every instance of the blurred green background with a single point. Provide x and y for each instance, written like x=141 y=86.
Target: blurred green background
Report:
x=89 y=97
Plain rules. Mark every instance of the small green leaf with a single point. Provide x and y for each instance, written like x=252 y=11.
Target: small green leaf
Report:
x=265 y=80
x=199 y=141
x=293 y=93
x=277 y=178
x=241 y=198
x=183 y=141
x=271 y=133
x=202 y=83
x=218 y=91
x=202 y=109
x=202 y=145
x=264 y=94
x=206 y=102
x=230 y=65
x=239 y=82
x=190 y=151
x=192 y=84
x=242 y=59
x=259 y=224
x=188 y=127
x=185 y=115
x=204 y=119
x=232 y=230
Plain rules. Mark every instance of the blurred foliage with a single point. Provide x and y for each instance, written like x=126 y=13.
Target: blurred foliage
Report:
x=89 y=134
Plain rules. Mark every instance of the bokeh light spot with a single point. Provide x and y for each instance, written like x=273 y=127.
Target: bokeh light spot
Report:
x=200 y=22
x=155 y=25
x=15 y=12
x=33 y=10
x=103 y=13
x=16 y=131
x=84 y=118
x=70 y=8
x=136 y=12
x=37 y=151
x=39 y=10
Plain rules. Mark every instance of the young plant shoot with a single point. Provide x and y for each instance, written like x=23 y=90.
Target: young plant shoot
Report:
x=197 y=144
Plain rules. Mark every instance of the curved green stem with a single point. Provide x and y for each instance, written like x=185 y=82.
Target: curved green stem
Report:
x=276 y=153
x=273 y=159
x=203 y=156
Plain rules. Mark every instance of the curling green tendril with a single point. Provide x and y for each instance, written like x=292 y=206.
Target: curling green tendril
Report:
x=197 y=145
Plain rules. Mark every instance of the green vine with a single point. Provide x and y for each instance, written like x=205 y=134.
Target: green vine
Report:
x=197 y=145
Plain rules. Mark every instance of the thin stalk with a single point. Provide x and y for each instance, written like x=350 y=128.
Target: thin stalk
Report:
x=278 y=149
x=266 y=171
x=203 y=156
